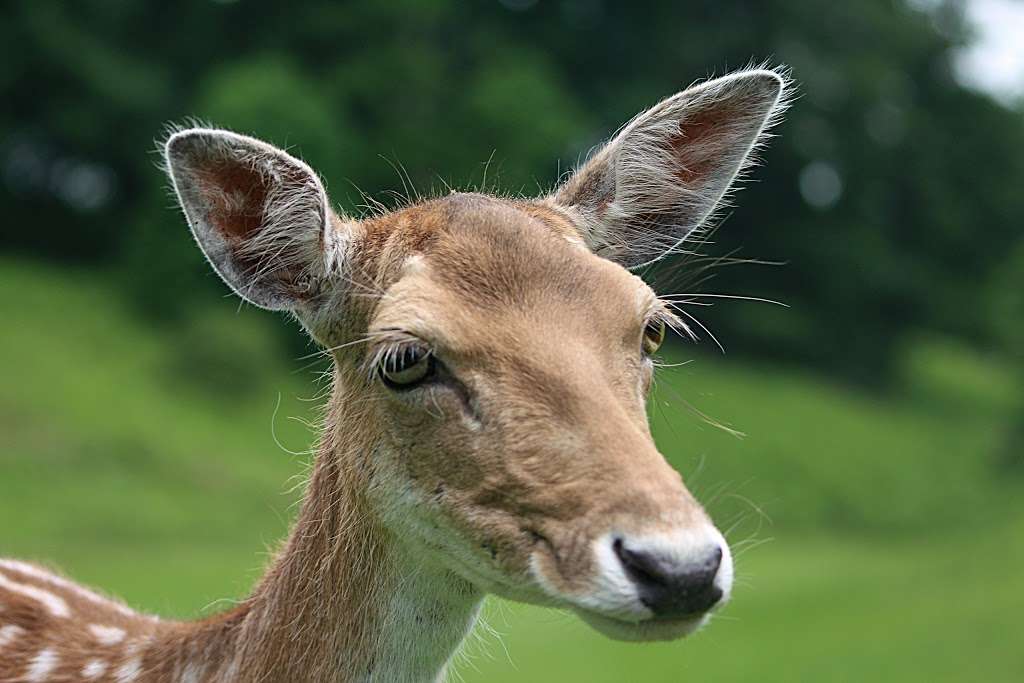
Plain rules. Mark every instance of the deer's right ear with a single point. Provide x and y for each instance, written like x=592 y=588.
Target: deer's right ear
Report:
x=260 y=215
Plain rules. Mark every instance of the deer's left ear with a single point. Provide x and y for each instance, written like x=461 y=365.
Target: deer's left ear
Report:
x=661 y=177
x=260 y=215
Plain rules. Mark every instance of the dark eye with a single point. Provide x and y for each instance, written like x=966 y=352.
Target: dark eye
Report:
x=406 y=366
x=654 y=335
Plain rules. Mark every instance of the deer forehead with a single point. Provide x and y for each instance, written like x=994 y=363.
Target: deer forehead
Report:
x=494 y=273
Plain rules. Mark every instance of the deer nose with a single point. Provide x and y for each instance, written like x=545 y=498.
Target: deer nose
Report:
x=670 y=587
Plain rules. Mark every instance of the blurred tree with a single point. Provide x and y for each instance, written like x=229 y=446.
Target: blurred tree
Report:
x=1005 y=299
x=891 y=194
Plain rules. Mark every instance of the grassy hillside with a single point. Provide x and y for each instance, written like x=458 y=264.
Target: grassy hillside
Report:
x=876 y=539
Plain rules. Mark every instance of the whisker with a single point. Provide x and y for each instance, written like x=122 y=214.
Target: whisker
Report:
x=324 y=352
x=701 y=325
x=726 y=296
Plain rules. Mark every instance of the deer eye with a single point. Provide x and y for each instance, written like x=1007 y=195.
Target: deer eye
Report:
x=406 y=366
x=654 y=335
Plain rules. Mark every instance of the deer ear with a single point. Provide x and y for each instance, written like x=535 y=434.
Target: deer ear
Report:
x=662 y=176
x=260 y=215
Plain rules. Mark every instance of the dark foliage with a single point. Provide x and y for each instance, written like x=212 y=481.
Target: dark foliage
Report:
x=892 y=195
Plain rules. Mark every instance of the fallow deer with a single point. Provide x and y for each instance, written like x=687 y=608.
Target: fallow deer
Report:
x=486 y=433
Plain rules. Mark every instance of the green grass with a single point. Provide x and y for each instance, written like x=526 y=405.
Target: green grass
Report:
x=817 y=456
x=876 y=539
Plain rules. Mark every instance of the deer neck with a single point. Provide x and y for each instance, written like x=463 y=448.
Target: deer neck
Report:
x=345 y=599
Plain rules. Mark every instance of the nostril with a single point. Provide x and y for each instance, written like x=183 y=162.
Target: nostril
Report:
x=669 y=586
x=642 y=568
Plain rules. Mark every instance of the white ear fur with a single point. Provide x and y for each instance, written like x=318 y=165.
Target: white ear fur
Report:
x=260 y=215
x=645 y=192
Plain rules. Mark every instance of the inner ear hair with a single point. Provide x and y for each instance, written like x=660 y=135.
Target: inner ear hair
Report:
x=663 y=176
x=259 y=214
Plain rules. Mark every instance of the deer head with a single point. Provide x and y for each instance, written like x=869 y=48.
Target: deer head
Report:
x=493 y=356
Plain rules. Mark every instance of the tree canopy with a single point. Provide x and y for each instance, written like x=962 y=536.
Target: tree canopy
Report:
x=891 y=194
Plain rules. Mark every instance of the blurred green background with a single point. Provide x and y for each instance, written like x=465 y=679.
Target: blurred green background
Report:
x=151 y=429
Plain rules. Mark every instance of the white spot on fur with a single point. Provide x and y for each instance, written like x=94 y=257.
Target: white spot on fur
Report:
x=59 y=581
x=413 y=264
x=94 y=669
x=8 y=633
x=129 y=671
x=54 y=604
x=107 y=635
x=41 y=666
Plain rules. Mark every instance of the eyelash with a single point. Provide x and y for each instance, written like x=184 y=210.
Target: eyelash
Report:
x=672 y=321
x=407 y=366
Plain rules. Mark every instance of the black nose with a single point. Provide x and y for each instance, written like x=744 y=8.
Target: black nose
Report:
x=671 y=589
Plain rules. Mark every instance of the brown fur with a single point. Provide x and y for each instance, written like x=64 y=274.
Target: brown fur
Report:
x=506 y=474
x=502 y=291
